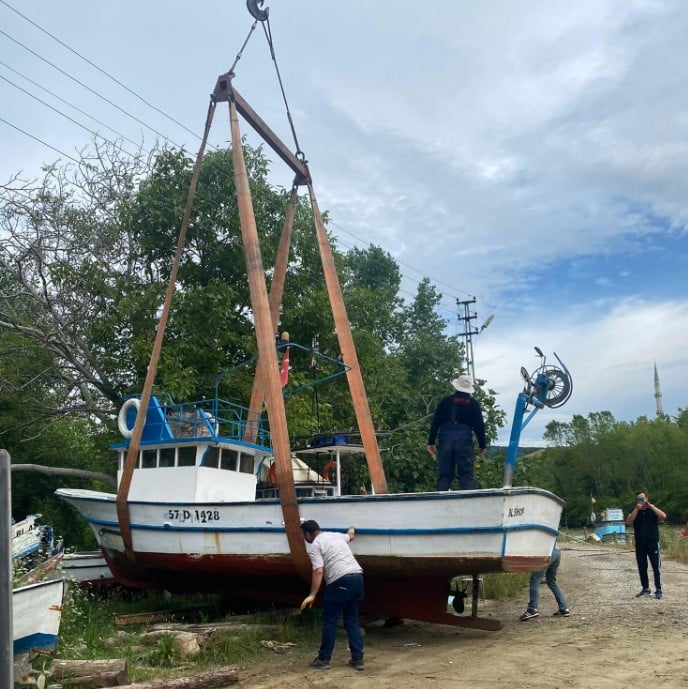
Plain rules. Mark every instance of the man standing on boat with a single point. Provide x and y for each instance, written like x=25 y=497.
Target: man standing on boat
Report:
x=333 y=560
x=645 y=518
x=456 y=418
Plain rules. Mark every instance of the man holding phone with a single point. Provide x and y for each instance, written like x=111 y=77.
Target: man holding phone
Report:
x=645 y=518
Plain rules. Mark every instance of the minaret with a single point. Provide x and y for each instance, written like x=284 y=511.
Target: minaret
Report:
x=658 y=393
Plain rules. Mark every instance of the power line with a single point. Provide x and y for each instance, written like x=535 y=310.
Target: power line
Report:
x=95 y=66
x=66 y=102
x=102 y=71
x=59 y=112
x=35 y=138
x=88 y=88
x=415 y=270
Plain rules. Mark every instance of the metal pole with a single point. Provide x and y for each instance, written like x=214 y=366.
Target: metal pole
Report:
x=6 y=633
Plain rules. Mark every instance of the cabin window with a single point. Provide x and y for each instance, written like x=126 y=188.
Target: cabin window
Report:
x=149 y=459
x=186 y=456
x=166 y=457
x=211 y=458
x=246 y=463
x=229 y=459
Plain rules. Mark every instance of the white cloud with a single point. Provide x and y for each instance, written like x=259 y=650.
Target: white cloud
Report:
x=609 y=352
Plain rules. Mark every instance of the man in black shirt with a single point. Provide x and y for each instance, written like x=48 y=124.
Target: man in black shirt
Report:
x=645 y=518
x=456 y=418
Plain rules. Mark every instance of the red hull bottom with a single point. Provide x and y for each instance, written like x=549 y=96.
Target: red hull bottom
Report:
x=405 y=588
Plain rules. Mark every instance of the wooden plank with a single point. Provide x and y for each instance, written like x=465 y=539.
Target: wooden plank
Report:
x=267 y=355
x=346 y=344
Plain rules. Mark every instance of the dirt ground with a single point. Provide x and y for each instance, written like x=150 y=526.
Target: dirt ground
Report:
x=611 y=640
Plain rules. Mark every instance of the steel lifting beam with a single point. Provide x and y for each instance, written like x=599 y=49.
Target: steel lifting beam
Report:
x=225 y=91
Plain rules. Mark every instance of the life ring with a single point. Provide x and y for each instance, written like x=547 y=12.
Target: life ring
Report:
x=131 y=403
x=327 y=473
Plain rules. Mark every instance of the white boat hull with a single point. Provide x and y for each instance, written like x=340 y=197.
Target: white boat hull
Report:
x=426 y=538
x=88 y=568
x=36 y=613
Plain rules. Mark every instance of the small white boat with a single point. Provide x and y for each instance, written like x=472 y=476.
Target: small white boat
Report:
x=36 y=613
x=611 y=527
x=27 y=536
x=87 y=568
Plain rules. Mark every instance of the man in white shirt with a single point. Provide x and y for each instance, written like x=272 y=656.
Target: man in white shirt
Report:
x=333 y=560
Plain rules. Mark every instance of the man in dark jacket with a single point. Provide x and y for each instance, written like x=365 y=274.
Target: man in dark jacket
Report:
x=645 y=518
x=456 y=418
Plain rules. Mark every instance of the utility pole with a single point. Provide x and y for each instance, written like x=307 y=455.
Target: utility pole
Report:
x=466 y=316
x=6 y=634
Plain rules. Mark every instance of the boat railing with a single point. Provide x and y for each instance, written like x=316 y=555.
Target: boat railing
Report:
x=214 y=418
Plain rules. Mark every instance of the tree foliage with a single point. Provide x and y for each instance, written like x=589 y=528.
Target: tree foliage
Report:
x=602 y=458
x=85 y=257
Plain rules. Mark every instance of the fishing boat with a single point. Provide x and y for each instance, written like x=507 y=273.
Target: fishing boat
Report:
x=611 y=527
x=28 y=536
x=211 y=498
x=205 y=515
x=36 y=613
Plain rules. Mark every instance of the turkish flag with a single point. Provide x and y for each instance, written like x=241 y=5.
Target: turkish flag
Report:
x=284 y=367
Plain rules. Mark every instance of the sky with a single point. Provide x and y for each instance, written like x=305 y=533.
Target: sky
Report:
x=530 y=154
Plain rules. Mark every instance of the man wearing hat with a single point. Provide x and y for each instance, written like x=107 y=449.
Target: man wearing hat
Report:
x=456 y=418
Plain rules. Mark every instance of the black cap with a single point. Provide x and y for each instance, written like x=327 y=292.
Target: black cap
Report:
x=310 y=526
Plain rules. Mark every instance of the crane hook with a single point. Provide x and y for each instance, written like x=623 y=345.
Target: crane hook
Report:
x=253 y=8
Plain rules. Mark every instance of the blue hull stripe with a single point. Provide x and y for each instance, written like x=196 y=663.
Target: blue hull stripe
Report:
x=455 y=530
x=43 y=642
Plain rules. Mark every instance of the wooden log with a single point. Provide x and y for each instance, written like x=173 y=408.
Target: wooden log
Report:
x=92 y=674
x=101 y=681
x=219 y=677
x=158 y=616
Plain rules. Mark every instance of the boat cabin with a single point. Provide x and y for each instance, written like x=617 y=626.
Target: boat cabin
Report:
x=196 y=452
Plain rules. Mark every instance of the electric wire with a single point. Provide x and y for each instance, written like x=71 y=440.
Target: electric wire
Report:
x=35 y=138
x=268 y=35
x=102 y=71
x=67 y=117
x=88 y=88
x=66 y=102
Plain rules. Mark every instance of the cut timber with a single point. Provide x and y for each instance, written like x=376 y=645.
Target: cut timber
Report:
x=213 y=678
x=91 y=674
x=157 y=616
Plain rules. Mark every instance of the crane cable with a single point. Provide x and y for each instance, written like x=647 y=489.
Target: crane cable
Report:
x=268 y=37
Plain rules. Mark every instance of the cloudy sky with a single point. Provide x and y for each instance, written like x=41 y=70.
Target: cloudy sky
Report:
x=530 y=154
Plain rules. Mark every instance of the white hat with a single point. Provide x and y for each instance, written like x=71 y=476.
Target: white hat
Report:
x=464 y=384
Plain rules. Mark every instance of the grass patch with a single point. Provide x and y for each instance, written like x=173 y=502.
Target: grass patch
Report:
x=88 y=632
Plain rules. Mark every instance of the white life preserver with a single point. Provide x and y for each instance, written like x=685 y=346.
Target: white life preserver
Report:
x=132 y=402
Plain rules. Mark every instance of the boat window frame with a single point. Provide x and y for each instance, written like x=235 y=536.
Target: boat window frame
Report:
x=182 y=451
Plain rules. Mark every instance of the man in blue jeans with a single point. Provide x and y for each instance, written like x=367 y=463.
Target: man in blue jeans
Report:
x=333 y=560
x=551 y=579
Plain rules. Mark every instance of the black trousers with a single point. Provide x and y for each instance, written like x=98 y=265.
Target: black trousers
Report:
x=643 y=553
x=455 y=454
